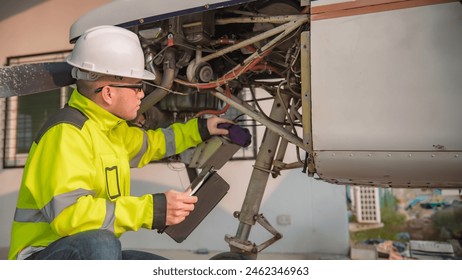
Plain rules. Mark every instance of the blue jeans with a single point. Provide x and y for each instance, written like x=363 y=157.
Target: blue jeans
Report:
x=91 y=245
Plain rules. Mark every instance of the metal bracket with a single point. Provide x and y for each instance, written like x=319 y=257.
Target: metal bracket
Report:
x=246 y=246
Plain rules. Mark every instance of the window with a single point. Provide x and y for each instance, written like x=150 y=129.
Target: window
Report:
x=250 y=152
x=26 y=114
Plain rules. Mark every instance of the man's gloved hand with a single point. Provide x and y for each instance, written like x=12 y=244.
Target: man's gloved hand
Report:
x=237 y=134
x=213 y=125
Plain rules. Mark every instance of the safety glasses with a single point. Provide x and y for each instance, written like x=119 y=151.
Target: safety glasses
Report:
x=138 y=87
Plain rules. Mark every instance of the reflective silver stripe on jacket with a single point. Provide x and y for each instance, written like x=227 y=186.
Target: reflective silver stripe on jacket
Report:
x=110 y=217
x=57 y=205
x=144 y=147
x=28 y=251
x=53 y=208
x=61 y=202
x=28 y=216
x=170 y=147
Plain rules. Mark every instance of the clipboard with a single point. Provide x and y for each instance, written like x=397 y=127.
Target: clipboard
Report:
x=210 y=190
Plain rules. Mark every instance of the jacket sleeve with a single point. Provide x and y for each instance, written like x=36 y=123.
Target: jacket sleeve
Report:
x=144 y=146
x=70 y=191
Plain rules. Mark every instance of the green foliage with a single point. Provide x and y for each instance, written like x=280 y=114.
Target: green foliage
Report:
x=450 y=219
x=393 y=223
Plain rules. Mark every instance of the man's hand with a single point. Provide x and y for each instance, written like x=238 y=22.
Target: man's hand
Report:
x=179 y=205
x=212 y=126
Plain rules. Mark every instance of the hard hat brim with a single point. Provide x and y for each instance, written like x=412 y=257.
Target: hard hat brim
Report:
x=148 y=75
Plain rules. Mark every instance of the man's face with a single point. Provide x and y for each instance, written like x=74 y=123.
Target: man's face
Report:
x=126 y=96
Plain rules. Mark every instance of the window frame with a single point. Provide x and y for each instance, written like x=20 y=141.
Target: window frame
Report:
x=11 y=157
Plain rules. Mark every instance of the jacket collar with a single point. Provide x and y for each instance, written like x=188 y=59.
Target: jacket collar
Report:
x=104 y=119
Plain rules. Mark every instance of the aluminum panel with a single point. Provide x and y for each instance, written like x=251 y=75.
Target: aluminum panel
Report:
x=388 y=81
x=395 y=169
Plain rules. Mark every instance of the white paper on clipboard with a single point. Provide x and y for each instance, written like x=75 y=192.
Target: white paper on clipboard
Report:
x=198 y=182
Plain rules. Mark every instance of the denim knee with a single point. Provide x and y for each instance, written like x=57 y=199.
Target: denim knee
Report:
x=104 y=238
x=101 y=244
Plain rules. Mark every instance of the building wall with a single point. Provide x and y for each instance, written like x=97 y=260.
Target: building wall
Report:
x=316 y=211
x=43 y=27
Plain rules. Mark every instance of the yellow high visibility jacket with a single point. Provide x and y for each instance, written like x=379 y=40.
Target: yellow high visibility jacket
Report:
x=77 y=175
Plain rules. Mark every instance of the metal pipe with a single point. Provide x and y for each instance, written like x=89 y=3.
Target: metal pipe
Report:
x=252 y=19
x=167 y=82
x=260 y=19
x=254 y=114
x=290 y=26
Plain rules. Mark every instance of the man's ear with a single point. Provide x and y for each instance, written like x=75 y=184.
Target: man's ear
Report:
x=107 y=95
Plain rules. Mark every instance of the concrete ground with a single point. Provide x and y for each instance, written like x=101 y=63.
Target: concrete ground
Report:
x=194 y=255
x=205 y=255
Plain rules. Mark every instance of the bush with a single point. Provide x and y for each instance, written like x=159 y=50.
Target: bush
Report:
x=393 y=223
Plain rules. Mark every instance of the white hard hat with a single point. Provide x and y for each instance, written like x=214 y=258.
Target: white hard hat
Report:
x=108 y=50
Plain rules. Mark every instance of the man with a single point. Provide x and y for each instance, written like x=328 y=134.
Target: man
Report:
x=74 y=201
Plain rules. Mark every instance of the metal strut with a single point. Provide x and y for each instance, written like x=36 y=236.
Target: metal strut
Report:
x=249 y=213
